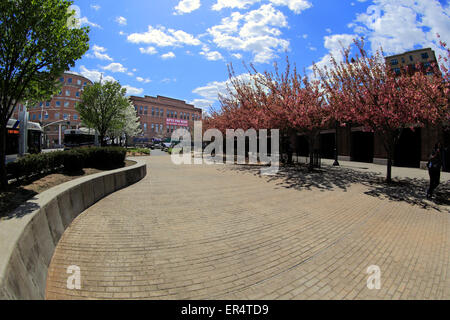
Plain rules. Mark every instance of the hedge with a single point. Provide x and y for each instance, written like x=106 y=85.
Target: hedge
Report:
x=71 y=161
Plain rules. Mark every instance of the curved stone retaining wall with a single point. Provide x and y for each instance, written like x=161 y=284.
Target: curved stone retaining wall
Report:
x=29 y=238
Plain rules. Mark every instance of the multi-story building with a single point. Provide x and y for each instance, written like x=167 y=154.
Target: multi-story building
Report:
x=161 y=116
x=59 y=113
x=424 y=57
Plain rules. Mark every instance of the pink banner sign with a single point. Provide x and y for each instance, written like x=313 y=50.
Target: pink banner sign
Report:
x=177 y=122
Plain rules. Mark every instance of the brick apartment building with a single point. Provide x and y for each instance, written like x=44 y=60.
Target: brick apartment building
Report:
x=161 y=116
x=59 y=113
x=414 y=147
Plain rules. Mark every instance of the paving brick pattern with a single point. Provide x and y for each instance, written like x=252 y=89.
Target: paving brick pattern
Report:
x=213 y=232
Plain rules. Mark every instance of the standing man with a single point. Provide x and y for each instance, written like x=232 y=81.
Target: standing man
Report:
x=434 y=169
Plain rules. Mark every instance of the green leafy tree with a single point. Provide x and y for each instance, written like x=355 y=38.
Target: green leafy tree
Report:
x=130 y=125
x=102 y=107
x=37 y=44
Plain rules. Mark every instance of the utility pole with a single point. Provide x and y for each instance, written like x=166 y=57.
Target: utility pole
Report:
x=23 y=132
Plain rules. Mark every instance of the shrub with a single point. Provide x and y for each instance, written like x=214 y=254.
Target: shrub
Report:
x=74 y=161
x=104 y=158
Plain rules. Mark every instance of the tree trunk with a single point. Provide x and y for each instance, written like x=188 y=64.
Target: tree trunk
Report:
x=312 y=140
x=102 y=140
x=389 y=170
x=389 y=145
x=3 y=178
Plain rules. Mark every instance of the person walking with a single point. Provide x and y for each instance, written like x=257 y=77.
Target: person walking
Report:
x=434 y=169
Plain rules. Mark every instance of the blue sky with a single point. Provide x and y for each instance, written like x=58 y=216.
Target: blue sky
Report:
x=181 y=48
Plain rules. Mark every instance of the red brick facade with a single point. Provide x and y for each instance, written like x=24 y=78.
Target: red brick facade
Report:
x=160 y=116
x=60 y=107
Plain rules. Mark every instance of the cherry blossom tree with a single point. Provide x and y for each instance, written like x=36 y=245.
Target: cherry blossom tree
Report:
x=365 y=91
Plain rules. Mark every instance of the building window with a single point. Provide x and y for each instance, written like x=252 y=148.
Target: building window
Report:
x=145 y=110
x=153 y=127
x=188 y=116
x=135 y=108
x=397 y=71
x=153 y=112
x=168 y=113
x=176 y=115
x=60 y=93
x=425 y=55
x=79 y=82
x=85 y=84
x=75 y=117
x=66 y=104
x=411 y=58
x=394 y=62
x=34 y=117
x=161 y=113
x=68 y=93
x=140 y=110
x=145 y=127
x=78 y=94
x=171 y=114
x=61 y=79
x=69 y=80
x=57 y=115
x=65 y=116
x=46 y=116
x=58 y=104
x=47 y=104
x=427 y=65
x=403 y=60
x=157 y=112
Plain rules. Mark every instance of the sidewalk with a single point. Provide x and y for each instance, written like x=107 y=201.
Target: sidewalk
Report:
x=397 y=172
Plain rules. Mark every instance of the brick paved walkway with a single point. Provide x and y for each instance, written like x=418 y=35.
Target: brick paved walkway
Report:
x=219 y=232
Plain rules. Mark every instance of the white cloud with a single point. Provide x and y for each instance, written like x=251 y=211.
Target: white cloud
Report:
x=94 y=75
x=204 y=104
x=85 y=20
x=168 y=80
x=335 y=44
x=164 y=38
x=211 y=55
x=99 y=52
x=210 y=92
x=96 y=7
x=168 y=55
x=140 y=79
x=187 y=6
x=256 y=31
x=133 y=91
x=240 y=4
x=237 y=55
x=115 y=67
x=402 y=25
x=297 y=6
x=121 y=20
x=148 y=50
